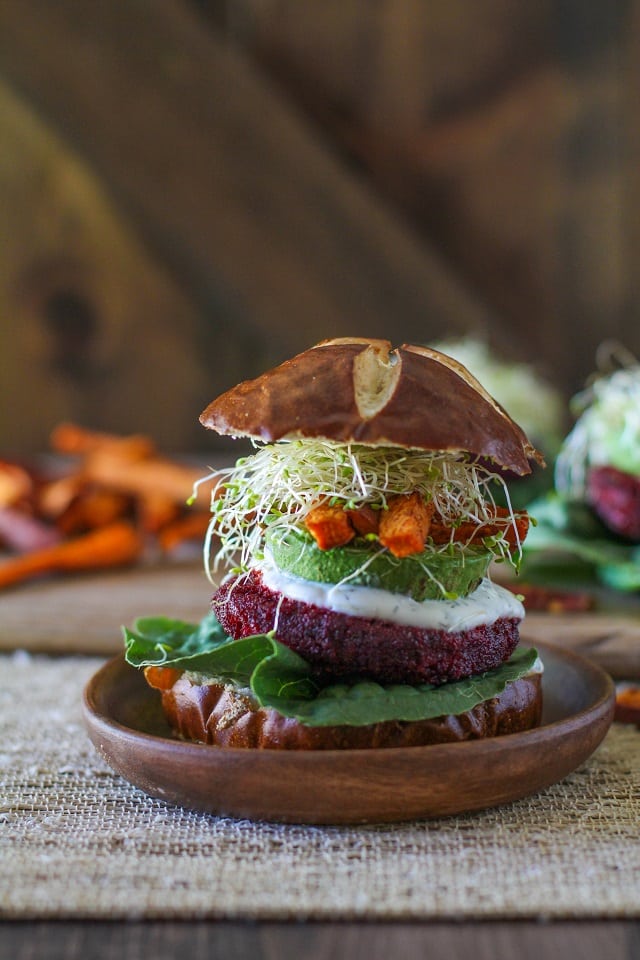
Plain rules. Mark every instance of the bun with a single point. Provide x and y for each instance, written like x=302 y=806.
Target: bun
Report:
x=364 y=391
x=224 y=716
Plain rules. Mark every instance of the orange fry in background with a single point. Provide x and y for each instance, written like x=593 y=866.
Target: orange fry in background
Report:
x=152 y=477
x=92 y=509
x=111 y=546
x=111 y=498
x=15 y=483
x=155 y=511
x=193 y=526
x=69 y=438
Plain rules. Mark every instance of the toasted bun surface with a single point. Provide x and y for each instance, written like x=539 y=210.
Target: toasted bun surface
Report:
x=226 y=717
x=364 y=391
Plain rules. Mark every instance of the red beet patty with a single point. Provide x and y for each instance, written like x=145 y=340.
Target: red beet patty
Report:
x=341 y=646
x=615 y=498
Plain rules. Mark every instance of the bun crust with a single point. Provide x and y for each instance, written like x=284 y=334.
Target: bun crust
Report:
x=364 y=391
x=226 y=717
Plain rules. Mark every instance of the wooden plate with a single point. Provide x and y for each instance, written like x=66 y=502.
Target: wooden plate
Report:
x=126 y=724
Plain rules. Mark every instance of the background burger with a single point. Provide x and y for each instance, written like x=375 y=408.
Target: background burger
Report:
x=589 y=524
x=357 y=608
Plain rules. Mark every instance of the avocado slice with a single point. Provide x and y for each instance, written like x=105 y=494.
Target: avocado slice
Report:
x=429 y=575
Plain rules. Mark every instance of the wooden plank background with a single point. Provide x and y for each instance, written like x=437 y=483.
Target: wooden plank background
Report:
x=192 y=191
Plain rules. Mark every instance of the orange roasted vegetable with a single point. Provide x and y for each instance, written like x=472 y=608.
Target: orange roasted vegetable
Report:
x=405 y=524
x=161 y=678
x=111 y=546
x=467 y=531
x=329 y=526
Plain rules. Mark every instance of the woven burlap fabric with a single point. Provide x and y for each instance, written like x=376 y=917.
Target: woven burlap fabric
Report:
x=78 y=841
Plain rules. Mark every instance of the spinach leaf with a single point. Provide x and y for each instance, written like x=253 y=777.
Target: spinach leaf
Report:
x=201 y=648
x=569 y=542
x=277 y=685
x=282 y=680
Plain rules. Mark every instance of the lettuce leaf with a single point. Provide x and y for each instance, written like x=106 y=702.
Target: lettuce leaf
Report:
x=202 y=648
x=568 y=543
x=282 y=680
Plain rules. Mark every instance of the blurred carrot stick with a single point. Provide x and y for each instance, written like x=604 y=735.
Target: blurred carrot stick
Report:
x=15 y=483
x=147 y=477
x=56 y=496
x=92 y=509
x=193 y=526
x=156 y=511
x=70 y=438
x=110 y=546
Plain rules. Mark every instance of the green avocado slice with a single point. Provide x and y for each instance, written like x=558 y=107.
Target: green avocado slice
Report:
x=429 y=575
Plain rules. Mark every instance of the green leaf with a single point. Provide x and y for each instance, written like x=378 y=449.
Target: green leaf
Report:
x=367 y=702
x=568 y=534
x=282 y=680
x=620 y=576
x=200 y=648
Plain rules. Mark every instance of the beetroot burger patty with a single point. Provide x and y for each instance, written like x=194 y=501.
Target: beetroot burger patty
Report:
x=342 y=646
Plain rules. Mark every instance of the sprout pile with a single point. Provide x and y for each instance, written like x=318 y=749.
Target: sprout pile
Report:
x=275 y=488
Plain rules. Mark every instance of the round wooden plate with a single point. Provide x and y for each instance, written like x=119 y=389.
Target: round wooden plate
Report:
x=126 y=724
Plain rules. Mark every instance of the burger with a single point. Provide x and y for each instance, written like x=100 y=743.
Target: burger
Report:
x=589 y=524
x=352 y=552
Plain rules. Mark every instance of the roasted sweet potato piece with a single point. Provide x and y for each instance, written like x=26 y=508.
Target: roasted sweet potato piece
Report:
x=155 y=511
x=15 y=483
x=364 y=520
x=92 y=509
x=69 y=438
x=468 y=532
x=329 y=526
x=405 y=524
x=111 y=546
x=193 y=526
x=161 y=678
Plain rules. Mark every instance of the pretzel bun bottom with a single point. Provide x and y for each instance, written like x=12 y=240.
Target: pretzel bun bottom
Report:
x=225 y=716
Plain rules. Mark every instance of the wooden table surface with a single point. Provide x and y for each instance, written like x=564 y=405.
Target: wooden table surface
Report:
x=587 y=940
x=83 y=616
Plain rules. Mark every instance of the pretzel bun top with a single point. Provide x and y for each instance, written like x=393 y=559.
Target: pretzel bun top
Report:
x=365 y=391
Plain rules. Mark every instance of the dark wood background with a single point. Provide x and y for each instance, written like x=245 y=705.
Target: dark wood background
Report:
x=192 y=191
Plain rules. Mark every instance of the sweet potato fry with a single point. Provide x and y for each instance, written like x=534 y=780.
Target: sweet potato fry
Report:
x=329 y=526
x=192 y=526
x=15 y=483
x=111 y=546
x=364 y=520
x=156 y=511
x=155 y=477
x=468 y=532
x=56 y=496
x=405 y=523
x=70 y=438
x=92 y=509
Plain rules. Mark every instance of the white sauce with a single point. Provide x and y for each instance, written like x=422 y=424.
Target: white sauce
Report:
x=485 y=605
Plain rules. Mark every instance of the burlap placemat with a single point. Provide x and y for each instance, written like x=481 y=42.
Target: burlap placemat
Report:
x=77 y=841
